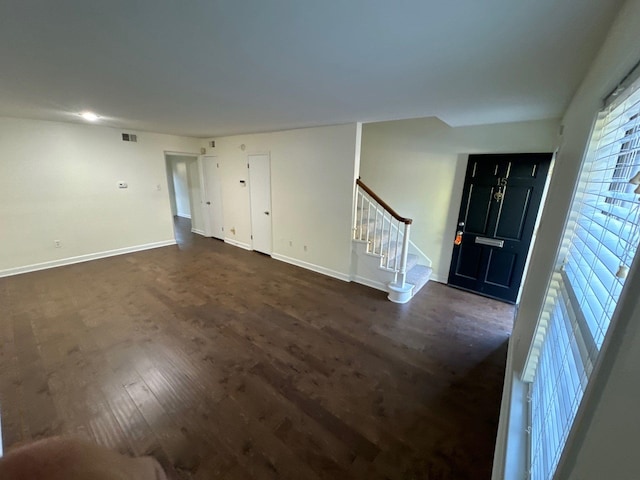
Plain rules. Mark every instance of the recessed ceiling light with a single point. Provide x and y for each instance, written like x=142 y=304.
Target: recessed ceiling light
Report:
x=89 y=116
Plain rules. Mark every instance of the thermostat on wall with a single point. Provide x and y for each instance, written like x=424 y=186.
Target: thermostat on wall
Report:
x=122 y=185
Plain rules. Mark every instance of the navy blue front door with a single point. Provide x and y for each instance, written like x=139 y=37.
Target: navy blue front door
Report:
x=500 y=202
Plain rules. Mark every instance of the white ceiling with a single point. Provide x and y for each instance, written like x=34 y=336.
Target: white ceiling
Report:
x=207 y=68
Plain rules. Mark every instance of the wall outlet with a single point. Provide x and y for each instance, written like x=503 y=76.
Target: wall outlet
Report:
x=122 y=185
x=57 y=243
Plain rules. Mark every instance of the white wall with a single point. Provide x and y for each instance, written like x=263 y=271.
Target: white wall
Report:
x=58 y=181
x=181 y=187
x=418 y=167
x=312 y=182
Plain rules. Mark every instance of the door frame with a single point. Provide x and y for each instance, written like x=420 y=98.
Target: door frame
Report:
x=268 y=154
x=169 y=180
x=454 y=212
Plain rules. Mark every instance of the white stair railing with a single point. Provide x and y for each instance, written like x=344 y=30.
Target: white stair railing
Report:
x=386 y=232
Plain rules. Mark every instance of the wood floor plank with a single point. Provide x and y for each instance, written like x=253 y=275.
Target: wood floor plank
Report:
x=224 y=363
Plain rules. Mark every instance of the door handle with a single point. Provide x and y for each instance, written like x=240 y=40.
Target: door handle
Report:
x=266 y=213
x=208 y=203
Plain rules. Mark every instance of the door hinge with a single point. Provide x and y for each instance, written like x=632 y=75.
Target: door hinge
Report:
x=223 y=229
x=247 y=165
x=251 y=237
x=217 y=165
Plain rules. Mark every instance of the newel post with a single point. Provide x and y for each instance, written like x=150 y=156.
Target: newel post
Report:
x=405 y=253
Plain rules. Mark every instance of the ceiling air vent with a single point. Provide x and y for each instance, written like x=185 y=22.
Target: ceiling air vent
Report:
x=129 y=137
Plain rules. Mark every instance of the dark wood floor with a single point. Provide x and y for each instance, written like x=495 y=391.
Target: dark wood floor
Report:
x=229 y=364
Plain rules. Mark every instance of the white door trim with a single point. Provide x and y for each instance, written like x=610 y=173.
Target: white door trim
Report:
x=182 y=154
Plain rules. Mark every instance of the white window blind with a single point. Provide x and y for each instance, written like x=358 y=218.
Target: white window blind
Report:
x=600 y=242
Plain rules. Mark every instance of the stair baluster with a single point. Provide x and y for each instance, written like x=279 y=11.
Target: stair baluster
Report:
x=386 y=234
x=405 y=254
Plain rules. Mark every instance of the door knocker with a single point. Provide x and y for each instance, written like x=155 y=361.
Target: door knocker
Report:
x=502 y=182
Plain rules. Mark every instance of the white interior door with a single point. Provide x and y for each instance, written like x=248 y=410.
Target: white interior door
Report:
x=260 y=190
x=212 y=197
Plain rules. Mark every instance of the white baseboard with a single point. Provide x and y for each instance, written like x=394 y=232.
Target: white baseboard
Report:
x=235 y=243
x=83 y=258
x=436 y=278
x=371 y=283
x=310 y=266
x=198 y=231
x=183 y=215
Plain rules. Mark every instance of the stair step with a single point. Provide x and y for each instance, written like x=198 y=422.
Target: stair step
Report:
x=412 y=261
x=379 y=236
x=419 y=275
x=387 y=248
x=379 y=232
x=386 y=279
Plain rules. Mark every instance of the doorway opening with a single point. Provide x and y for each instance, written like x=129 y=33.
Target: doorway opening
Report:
x=500 y=206
x=183 y=185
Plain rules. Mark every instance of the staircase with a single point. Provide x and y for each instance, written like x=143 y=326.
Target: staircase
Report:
x=383 y=255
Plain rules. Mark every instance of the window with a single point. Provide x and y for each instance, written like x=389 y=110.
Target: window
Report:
x=624 y=164
x=600 y=242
